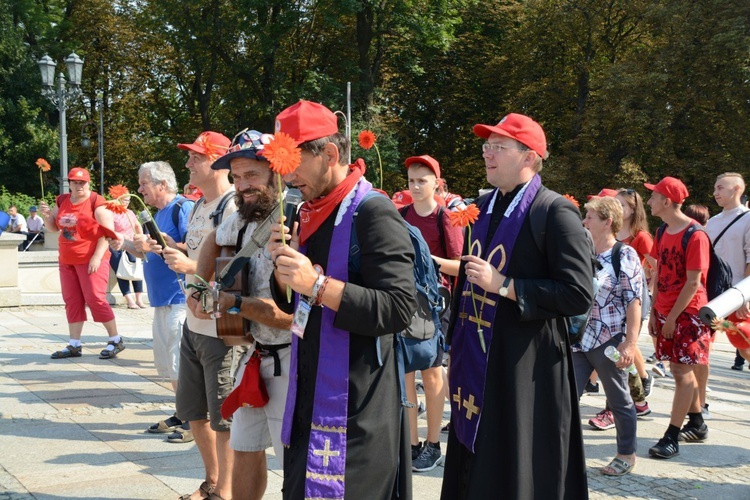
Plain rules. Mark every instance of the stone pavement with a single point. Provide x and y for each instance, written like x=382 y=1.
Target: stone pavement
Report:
x=75 y=428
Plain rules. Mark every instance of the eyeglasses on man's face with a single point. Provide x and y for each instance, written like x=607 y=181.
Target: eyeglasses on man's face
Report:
x=497 y=148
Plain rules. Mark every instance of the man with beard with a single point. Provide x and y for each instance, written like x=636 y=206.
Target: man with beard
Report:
x=253 y=429
x=347 y=434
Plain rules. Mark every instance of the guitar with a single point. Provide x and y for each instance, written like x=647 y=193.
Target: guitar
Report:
x=233 y=329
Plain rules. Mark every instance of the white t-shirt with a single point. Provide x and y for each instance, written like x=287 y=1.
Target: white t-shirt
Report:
x=35 y=224
x=199 y=227
x=17 y=224
x=734 y=246
x=261 y=268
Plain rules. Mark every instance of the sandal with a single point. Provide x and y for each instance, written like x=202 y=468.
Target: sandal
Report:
x=618 y=466
x=68 y=351
x=168 y=425
x=205 y=489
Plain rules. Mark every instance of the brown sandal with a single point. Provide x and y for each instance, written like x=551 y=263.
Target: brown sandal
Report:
x=206 y=491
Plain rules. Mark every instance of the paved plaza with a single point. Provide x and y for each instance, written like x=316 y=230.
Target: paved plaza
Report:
x=75 y=428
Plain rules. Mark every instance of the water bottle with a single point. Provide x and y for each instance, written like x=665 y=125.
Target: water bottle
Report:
x=612 y=353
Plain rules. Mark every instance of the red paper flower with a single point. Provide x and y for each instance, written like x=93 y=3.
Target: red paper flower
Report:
x=282 y=153
x=43 y=165
x=572 y=200
x=366 y=139
x=116 y=207
x=462 y=218
x=213 y=151
x=118 y=191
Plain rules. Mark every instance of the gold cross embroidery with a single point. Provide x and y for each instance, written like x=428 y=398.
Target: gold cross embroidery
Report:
x=471 y=410
x=327 y=453
x=457 y=397
x=480 y=321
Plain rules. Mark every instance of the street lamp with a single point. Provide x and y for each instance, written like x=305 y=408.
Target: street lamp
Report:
x=60 y=97
x=86 y=143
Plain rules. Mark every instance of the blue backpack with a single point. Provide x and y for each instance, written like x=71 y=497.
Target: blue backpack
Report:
x=416 y=346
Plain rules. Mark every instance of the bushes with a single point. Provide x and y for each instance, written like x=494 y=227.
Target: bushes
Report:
x=21 y=201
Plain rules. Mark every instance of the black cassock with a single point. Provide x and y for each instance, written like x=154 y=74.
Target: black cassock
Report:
x=529 y=443
x=377 y=302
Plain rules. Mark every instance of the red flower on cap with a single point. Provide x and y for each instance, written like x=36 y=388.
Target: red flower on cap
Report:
x=282 y=153
x=211 y=144
x=671 y=188
x=520 y=128
x=366 y=139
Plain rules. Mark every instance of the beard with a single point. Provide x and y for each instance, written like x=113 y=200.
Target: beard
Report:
x=265 y=200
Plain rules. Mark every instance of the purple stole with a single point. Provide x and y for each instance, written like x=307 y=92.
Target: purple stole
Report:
x=468 y=367
x=326 y=452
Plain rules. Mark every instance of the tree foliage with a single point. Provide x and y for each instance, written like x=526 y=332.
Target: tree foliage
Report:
x=626 y=90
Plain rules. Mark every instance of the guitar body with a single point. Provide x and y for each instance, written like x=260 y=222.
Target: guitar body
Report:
x=233 y=329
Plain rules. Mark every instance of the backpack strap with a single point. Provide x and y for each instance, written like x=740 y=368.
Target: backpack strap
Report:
x=176 y=208
x=728 y=226
x=441 y=230
x=218 y=214
x=616 y=259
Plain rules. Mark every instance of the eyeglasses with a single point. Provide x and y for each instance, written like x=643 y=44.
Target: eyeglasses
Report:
x=497 y=148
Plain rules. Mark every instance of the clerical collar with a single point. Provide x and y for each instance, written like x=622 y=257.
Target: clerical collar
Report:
x=510 y=198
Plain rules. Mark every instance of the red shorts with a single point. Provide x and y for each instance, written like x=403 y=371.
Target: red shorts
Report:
x=690 y=343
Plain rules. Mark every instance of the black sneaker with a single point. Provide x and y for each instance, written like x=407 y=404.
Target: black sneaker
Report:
x=430 y=458
x=647 y=383
x=738 y=367
x=665 y=448
x=416 y=449
x=690 y=433
x=591 y=388
x=118 y=347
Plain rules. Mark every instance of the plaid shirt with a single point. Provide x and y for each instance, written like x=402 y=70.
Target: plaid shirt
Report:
x=608 y=316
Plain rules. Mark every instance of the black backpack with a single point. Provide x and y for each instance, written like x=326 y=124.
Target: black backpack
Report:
x=719 y=277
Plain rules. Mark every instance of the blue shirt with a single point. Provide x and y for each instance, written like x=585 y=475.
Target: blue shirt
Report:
x=163 y=287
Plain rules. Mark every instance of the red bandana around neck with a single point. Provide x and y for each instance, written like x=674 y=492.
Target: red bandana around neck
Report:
x=314 y=213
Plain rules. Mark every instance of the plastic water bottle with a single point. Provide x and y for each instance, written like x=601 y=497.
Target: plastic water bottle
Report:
x=612 y=353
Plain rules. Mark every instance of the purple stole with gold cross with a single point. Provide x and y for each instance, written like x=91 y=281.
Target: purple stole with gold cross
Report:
x=326 y=452
x=468 y=366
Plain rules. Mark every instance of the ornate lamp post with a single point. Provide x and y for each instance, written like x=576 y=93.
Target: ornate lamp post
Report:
x=60 y=97
x=86 y=144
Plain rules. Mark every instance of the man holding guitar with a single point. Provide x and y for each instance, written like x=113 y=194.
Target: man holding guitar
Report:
x=254 y=427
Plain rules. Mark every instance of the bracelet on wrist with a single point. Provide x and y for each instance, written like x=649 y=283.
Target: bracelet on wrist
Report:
x=321 y=290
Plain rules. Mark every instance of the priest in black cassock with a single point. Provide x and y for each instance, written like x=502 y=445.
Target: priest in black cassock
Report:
x=515 y=429
x=346 y=433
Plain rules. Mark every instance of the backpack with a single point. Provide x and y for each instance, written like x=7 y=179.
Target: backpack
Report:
x=417 y=346
x=575 y=325
x=645 y=298
x=176 y=208
x=441 y=230
x=719 y=276
x=218 y=214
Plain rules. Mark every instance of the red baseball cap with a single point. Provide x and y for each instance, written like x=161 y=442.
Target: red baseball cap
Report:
x=612 y=193
x=306 y=121
x=402 y=198
x=519 y=127
x=211 y=144
x=79 y=174
x=670 y=187
x=426 y=160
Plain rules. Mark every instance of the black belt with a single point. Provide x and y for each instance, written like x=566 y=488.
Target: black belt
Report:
x=271 y=350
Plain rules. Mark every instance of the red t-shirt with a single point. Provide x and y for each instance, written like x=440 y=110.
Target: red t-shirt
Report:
x=428 y=226
x=75 y=249
x=672 y=266
x=642 y=242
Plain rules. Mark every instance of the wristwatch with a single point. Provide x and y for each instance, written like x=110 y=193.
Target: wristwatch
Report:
x=504 y=289
x=235 y=309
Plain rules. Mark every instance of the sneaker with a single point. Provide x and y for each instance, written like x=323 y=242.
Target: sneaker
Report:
x=68 y=351
x=659 y=370
x=416 y=449
x=603 y=421
x=182 y=434
x=647 y=383
x=705 y=412
x=117 y=347
x=446 y=428
x=689 y=433
x=430 y=458
x=739 y=368
x=665 y=448
x=168 y=425
x=420 y=409
x=642 y=410
x=591 y=388
x=651 y=359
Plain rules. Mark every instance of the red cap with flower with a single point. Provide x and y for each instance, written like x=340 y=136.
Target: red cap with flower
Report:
x=211 y=144
x=306 y=121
